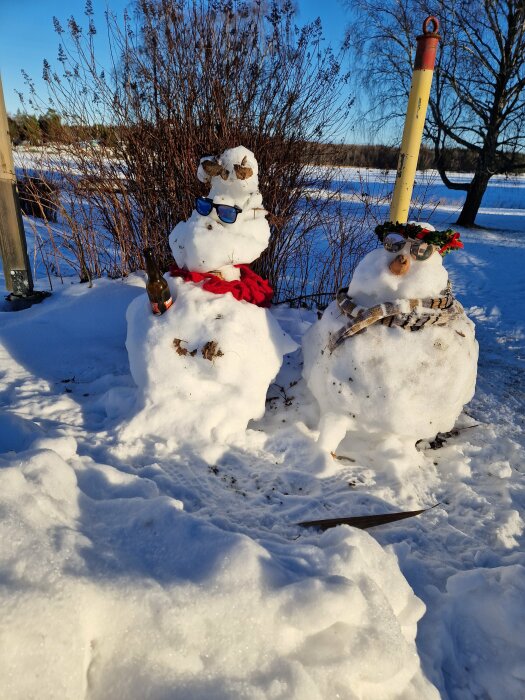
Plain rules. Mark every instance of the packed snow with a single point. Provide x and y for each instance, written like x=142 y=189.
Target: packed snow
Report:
x=179 y=570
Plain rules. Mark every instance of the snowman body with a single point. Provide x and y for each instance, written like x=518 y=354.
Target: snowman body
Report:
x=204 y=367
x=386 y=381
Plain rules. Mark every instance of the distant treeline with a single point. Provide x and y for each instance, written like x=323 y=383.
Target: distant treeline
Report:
x=48 y=128
x=385 y=157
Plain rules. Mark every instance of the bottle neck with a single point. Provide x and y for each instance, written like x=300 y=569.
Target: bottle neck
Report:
x=151 y=266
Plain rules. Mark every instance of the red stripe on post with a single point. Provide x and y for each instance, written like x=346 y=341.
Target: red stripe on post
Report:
x=427 y=44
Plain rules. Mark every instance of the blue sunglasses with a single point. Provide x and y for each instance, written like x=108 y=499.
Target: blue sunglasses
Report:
x=226 y=213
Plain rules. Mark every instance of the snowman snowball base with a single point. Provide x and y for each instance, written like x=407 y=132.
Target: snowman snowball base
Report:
x=386 y=383
x=204 y=367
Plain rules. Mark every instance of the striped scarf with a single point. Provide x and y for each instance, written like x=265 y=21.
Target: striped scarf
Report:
x=409 y=314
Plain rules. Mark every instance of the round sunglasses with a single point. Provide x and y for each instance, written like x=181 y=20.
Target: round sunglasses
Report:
x=419 y=250
x=226 y=213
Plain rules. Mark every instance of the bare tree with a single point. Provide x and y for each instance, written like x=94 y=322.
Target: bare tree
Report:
x=191 y=78
x=478 y=96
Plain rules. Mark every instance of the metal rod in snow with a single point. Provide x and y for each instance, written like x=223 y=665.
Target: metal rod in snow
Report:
x=415 y=120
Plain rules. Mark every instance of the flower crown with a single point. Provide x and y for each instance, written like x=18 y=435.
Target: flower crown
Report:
x=444 y=240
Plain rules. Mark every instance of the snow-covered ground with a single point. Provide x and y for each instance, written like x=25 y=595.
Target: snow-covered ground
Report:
x=172 y=571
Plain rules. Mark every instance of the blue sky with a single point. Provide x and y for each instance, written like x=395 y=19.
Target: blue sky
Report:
x=27 y=35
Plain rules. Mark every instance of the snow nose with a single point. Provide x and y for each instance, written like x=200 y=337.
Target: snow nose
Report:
x=400 y=265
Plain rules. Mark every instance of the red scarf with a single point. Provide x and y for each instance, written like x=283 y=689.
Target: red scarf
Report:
x=250 y=287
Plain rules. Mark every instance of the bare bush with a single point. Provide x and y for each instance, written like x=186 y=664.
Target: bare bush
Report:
x=191 y=78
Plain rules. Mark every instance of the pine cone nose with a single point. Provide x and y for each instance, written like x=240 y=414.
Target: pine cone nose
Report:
x=400 y=265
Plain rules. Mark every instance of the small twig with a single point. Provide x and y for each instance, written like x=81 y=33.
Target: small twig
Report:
x=342 y=458
x=287 y=399
x=305 y=296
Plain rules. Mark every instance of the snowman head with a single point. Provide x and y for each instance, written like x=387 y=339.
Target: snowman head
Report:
x=228 y=226
x=408 y=249
x=415 y=242
x=232 y=174
x=409 y=266
x=234 y=202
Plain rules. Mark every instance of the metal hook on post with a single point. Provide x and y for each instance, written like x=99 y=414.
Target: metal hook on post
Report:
x=425 y=60
x=431 y=20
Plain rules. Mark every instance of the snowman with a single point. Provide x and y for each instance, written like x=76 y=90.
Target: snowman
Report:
x=394 y=358
x=203 y=368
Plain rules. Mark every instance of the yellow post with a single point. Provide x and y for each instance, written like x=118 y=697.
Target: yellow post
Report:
x=414 y=120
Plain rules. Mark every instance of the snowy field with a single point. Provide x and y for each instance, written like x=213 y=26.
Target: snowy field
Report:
x=173 y=570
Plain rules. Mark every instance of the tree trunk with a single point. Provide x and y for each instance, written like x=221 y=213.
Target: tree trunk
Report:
x=475 y=194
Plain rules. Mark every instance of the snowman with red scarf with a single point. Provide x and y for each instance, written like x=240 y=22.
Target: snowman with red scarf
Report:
x=394 y=358
x=203 y=368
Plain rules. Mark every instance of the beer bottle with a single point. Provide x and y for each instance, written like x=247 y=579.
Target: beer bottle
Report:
x=157 y=288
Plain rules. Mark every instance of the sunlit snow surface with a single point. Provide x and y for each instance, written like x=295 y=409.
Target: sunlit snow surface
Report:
x=182 y=574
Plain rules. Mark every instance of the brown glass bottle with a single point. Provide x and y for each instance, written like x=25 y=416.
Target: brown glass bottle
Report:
x=157 y=288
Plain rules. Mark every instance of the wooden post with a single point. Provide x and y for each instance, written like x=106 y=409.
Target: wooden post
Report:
x=13 y=247
x=414 y=120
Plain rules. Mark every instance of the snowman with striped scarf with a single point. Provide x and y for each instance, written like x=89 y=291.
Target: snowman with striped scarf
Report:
x=394 y=358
